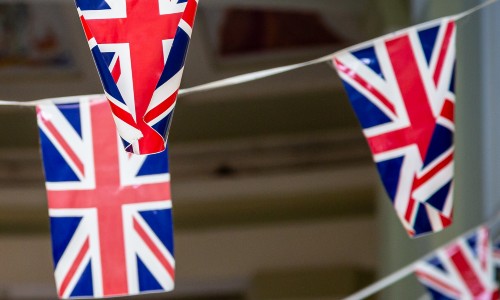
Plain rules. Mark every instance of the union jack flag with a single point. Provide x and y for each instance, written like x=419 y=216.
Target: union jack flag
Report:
x=139 y=48
x=110 y=211
x=401 y=87
x=463 y=270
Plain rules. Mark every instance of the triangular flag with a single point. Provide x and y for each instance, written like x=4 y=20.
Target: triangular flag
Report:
x=401 y=87
x=462 y=270
x=139 y=48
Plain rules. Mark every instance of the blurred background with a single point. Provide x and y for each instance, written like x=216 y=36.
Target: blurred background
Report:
x=275 y=195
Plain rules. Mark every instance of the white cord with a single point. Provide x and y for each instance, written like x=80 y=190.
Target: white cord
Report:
x=409 y=269
x=383 y=283
x=252 y=76
x=474 y=9
x=249 y=76
x=59 y=100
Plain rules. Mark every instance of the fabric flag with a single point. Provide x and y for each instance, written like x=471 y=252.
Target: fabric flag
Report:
x=110 y=211
x=139 y=48
x=401 y=87
x=463 y=270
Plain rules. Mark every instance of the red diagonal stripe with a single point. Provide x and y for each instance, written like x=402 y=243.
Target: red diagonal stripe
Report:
x=190 y=12
x=122 y=114
x=433 y=171
x=445 y=220
x=161 y=108
x=465 y=270
x=437 y=282
x=86 y=29
x=72 y=155
x=354 y=76
x=410 y=208
x=417 y=182
x=448 y=111
x=450 y=28
x=74 y=267
x=117 y=70
x=144 y=236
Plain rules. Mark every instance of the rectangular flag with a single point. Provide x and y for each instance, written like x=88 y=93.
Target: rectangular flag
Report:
x=461 y=271
x=139 y=47
x=401 y=87
x=110 y=211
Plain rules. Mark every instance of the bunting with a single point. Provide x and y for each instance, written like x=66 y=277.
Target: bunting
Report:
x=110 y=211
x=402 y=90
x=139 y=48
x=462 y=270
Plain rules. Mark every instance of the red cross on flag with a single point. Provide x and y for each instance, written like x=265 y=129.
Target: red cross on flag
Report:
x=402 y=88
x=139 y=48
x=110 y=211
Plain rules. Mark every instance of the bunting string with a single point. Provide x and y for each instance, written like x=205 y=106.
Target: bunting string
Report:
x=59 y=100
x=274 y=71
x=410 y=268
x=253 y=76
x=474 y=9
x=244 y=78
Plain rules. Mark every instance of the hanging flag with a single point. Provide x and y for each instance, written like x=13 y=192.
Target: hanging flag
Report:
x=110 y=211
x=462 y=270
x=139 y=48
x=401 y=87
